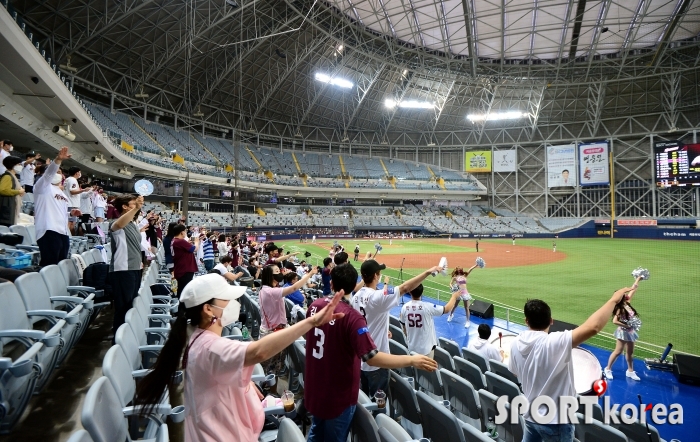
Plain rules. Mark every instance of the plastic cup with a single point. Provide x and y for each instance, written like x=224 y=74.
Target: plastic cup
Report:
x=288 y=401
x=380 y=399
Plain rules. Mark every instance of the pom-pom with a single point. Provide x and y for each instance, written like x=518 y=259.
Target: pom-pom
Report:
x=377 y=246
x=640 y=273
x=480 y=262
x=635 y=323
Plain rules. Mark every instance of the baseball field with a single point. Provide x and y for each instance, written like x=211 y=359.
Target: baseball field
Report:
x=575 y=280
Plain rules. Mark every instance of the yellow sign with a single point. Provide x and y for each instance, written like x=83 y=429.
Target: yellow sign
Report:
x=228 y=168
x=178 y=159
x=128 y=147
x=477 y=161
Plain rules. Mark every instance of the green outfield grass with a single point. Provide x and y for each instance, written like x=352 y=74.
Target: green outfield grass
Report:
x=668 y=303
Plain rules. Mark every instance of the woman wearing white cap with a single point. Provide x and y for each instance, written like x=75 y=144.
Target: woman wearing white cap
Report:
x=219 y=400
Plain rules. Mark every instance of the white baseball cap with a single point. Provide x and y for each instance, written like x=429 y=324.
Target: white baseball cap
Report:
x=211 y=286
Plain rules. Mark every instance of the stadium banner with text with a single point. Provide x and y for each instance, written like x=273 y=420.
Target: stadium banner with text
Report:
x=593 y=164
x=477 y=161
x=636 y=222
x=504 y=160
x=561 y=166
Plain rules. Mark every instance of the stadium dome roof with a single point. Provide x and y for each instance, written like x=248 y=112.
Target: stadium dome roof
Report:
x=255 y=64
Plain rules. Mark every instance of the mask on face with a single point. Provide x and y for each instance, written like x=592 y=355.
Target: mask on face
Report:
x=230 y=312
x=17 y=168
x=56 y=180
x=12 y=147
x=278 y=277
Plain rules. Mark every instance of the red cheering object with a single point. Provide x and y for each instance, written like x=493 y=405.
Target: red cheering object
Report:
x=500 y=337
x=600 y=387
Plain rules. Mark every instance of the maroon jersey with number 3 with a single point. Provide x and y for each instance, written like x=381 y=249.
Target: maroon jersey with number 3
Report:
x=333 y=354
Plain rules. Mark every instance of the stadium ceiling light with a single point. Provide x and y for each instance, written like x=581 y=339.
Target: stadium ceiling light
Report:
x=340 y=82
x=496 y=116
x=408 y=104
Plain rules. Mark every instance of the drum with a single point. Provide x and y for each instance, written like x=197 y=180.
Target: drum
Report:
x=587 y=370
x=505 y=342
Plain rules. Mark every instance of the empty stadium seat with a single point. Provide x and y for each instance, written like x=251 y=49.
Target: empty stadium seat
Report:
x=80 y=436
x=397 y=335
x=397 y=349
x=476 y=358
x=464 y=400
x=502 y=370
x=501 y=386
x=470 y=372
x=443 y=358
x=439 y=424
x=289 y=432
x=405 y=405
x=429 y=382
x=597 y=431
x=103 y=418
x=363 y=427
x=451 y=347
x=392 y=427
x=506 y=431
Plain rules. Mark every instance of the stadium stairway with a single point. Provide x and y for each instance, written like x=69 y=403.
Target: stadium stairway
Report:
x=252 y=155
x=163 y=150
x=386 y=172
x=344 y=172
x=206 y=150
x=302 y=175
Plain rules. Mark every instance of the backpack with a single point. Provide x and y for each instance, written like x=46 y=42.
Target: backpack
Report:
x=357 y=250
x=97 y=275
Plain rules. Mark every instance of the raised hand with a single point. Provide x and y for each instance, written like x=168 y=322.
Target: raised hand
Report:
x=62 y=154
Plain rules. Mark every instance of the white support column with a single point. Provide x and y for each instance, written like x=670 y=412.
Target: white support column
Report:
x=145 y=113
x=111 y=106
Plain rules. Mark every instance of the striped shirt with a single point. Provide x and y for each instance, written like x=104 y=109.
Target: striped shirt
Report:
x=208 y=250
x=126 y=248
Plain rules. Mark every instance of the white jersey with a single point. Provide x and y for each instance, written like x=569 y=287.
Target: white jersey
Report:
x=72 y=184
x=417 y=318
x=375 y=306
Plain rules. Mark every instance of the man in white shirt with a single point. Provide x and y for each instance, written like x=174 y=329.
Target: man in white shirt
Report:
x=51 y=213
x=484 y=347
x=542 y=362
x=72 y=188
x=374 y=304
x=224 y=269
x=418 y=323
x=26 y=177
x=5 y=149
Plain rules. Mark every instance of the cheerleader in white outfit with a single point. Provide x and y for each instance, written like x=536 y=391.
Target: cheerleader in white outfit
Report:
x=628 y=324
x=459 y=278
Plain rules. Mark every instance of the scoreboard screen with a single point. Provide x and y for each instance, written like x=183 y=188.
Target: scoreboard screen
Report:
x=676 y=164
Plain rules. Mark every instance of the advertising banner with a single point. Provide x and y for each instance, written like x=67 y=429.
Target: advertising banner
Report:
x=477 y=161
x=504 y=160
x=594 y=167
x=561 y=166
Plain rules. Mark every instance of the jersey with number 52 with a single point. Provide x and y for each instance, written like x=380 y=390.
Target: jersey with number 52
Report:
x=333 y=354
x=417 y=317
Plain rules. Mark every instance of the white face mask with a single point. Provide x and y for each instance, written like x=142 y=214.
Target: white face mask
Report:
x=230 y=313
x=12 y=147
x=17 y=168
x=56 y=180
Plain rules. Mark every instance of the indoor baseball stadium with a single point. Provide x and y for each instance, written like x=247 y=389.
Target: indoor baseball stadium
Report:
x=349 y=220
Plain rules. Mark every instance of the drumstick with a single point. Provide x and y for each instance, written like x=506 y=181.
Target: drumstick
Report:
x=639 y=396
x=500 y=336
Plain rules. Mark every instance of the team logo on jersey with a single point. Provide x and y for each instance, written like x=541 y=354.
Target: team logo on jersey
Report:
x=362 y=331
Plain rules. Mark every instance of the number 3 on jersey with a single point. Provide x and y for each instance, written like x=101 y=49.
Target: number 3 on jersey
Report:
x=415 y=320
x=318 y=350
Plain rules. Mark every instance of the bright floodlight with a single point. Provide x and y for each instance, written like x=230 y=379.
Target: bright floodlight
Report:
x=408 y=104
x=340 y=82
x=496 y=116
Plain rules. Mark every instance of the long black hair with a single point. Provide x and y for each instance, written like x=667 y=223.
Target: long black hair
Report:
x=150 y=390
x=266 y=277
x=620 y=310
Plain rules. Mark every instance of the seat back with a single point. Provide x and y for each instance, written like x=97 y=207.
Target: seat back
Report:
x=137 y=326
x=444 y=359
x=451 y=347
x=598 y=431
x=439 y=424
x=393 y=320
x=464 y=400
x=507 y=432
x=430 y=382
x=300 y=351
x=80 y=436
x=88 y=258
x=501 y=386
x=476 y=358
x=13 y=314
x=116 y=367
x=34 y=293
x=70 y=272
x=125 y=338
x=31 y=230
x=386 y=436
x=403 y=398
x=22 y=230
x=54 y=280
x=597 y=413
x=397 y=335
x=502 y=370
x=96 y=255
x=637 y=431
x=363 y=426
x=470 y=372
x=392 y=427
x=397 y=349
x=289 y=432
x=5 y=229
x=473 y=434
x=102 y=415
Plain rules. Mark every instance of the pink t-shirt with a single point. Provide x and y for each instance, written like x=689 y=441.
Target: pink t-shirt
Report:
x=220 y=403
x=272 y=307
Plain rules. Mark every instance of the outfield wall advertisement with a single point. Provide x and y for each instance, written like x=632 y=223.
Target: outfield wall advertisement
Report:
x=594 y=167
x=504 y=160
